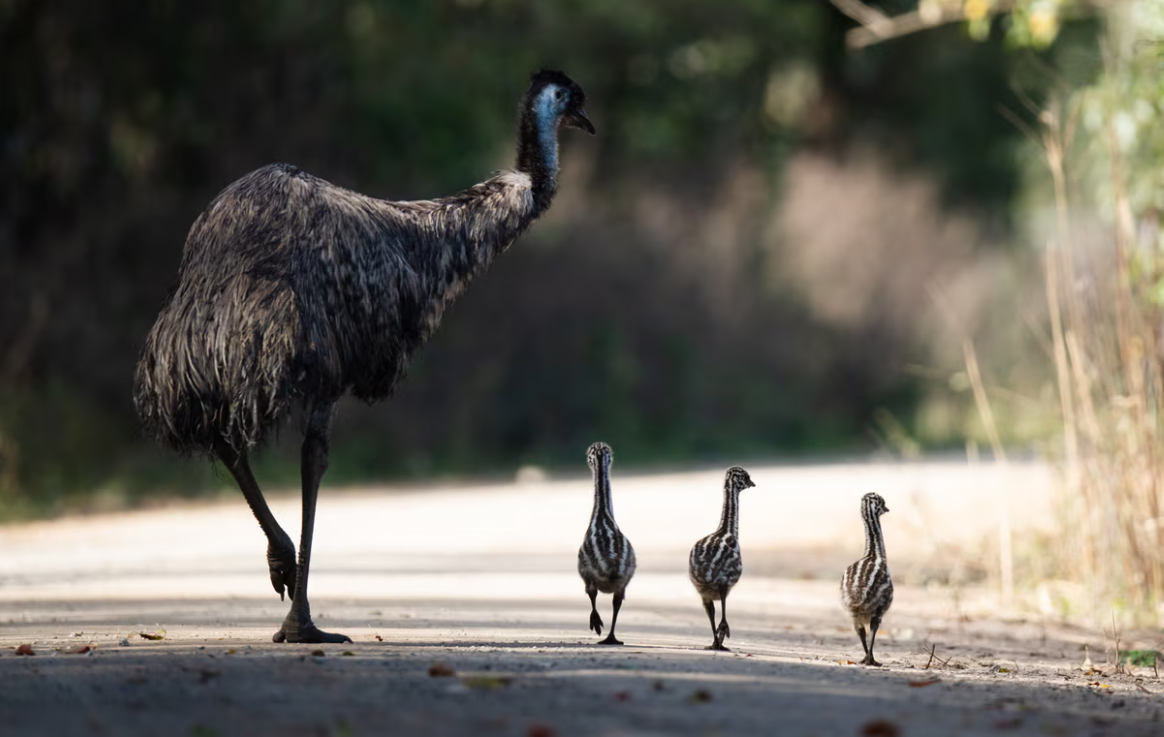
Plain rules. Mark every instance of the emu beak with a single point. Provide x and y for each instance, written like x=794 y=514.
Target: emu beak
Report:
x=577 y=119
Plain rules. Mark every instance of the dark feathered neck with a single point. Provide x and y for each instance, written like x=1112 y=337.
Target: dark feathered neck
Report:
x=603 y=506
x=874 y=542
x=537 y=149
x=729 y=520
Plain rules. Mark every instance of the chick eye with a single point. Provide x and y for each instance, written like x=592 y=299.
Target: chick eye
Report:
x=559 y=93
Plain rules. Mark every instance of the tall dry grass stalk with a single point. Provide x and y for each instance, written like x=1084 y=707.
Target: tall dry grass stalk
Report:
x=1107 y=359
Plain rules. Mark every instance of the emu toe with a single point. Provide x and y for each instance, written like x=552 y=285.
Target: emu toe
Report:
x=718 y=645
x=298 y=627
x=307 y=633
x=596 y=622
x=610 y=640
x=870 y=661
x=723 y=631
x=282 y=564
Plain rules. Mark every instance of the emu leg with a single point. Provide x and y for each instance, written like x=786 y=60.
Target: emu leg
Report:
x=280 y=550
x=723 y=631
x=610 y=638
x=873 y=625
x=595 y=617
x=864 y=645
x=298 y=627
x=709 y=606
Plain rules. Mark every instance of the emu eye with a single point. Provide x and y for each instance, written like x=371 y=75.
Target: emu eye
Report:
x=559 y=93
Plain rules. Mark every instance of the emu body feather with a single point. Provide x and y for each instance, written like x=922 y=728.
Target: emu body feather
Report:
x=292 y=287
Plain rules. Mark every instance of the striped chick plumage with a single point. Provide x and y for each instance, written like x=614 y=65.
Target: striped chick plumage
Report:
x=606 y=560
x=715 y=564
x=866 y=587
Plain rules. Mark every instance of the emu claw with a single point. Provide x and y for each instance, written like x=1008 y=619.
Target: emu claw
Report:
x=596 y=622
x=870 y=661
x=307 y=633
x=281 y=562
x=717 y=645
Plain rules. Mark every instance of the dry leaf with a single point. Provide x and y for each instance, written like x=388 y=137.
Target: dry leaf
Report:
x=347 y=654
x=318 y=653
x=701 y=696
x=845 y=662
x=378 y=638
x=923 y=684
x=76 y=649
x=440 y=670
x=487 y=683
x=25 y=650
x=880 y=728
x=159 y=635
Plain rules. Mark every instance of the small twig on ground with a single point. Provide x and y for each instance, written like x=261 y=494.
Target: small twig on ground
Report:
x=1115 y=636
x=931 y=660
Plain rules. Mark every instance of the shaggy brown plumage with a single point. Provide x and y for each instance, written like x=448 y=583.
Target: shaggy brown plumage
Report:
x=294 y=291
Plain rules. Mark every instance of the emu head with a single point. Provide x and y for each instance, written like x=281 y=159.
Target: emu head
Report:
x=873 y=506
x=555 y=96
x=737 y=479
x=599 y=456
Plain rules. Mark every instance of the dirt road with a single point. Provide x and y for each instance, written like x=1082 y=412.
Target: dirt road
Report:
x=478 y=584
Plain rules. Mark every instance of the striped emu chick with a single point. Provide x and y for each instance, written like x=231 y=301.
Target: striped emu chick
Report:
x=866 y=589
x=715 y=563
x=606 y=560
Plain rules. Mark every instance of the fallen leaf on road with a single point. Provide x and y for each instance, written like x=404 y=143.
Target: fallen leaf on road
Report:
x=378 y=638
x=487 y=683
x=845 y=662
x=76 y=649
x=923 y=684
x=159 y=635
x=880 y=728
x=318 y=653
x=440 y=670
x=347 y=654
x=701 y=696
x=25 y=650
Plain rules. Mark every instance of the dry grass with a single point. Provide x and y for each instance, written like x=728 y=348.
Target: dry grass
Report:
x=1106 y=349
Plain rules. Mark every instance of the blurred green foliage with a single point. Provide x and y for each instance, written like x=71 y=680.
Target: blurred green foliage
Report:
x=120 y=120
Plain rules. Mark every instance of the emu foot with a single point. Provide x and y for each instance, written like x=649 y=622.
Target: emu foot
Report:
x=870 y=661
x=718 y=645
x=610 y=640
x=596 y=622
x=281 y=562
x=723 y=631
x=301 y=629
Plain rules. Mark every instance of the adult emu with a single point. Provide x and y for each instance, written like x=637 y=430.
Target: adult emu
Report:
x=293 y=291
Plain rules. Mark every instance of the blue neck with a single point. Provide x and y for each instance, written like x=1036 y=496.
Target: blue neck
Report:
x=537 y=147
